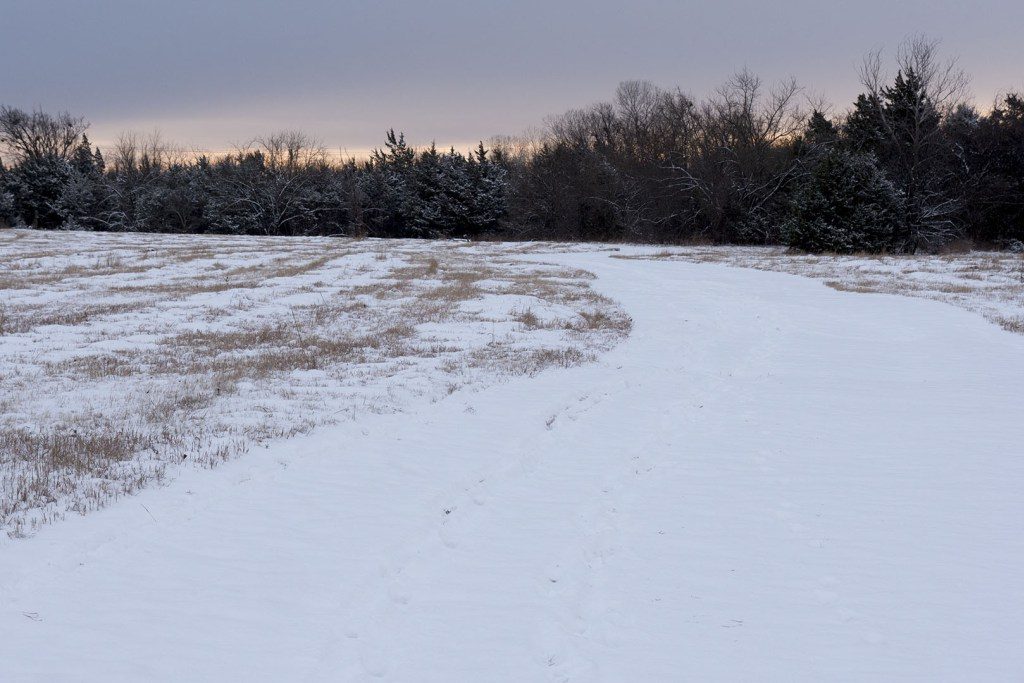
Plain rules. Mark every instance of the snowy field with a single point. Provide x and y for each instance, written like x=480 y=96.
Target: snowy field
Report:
x=122 y=356
x=989 y=283
x=764 y=478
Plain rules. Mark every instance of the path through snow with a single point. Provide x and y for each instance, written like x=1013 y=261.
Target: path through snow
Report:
x=769 y=480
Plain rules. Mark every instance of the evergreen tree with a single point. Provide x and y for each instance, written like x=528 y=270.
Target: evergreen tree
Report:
x=489 y=192
x=178 y=203
x=398 y=154
x=999 y=216
x=389 y=186
x=820 y=131
x=81 y=205
x=916 y=155
x=7 y=210
x=37 y=184
x=818 y=137
x=903 y=128
x=83 y=159
x=863 y=128
x=98 y=162
x=907 y=105
x=845 y=205
x=429 y=211
x=83 y=201
x=445 y=194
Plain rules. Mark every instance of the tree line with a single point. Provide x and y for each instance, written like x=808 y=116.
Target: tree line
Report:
x=283 y=184
x=910 y=166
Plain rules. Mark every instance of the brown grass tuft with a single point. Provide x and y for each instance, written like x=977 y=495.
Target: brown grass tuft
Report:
x=527 y=318
x=603 y=319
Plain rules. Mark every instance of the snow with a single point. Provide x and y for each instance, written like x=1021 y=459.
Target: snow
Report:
x=768 y=480
x=989 y=283
x=184 y=348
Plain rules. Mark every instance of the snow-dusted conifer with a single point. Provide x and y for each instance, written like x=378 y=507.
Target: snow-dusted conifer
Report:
x=489 y=191
x=845 y=205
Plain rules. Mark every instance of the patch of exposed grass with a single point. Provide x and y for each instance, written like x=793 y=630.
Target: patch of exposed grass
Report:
x=1012 y=324
x=605 y=319
x=210 y=345
x=527 y=318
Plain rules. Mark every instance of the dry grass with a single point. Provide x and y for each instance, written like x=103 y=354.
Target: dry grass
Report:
x=29 y=318
x=96 y=367
x=527 y=318
x=841 y=286
x=194 y=349
x=54 y=449
x=506 y=361
x=1012 y=324
x=605 y=319
x=461 y=290
x=43 y=464
x=421 y=268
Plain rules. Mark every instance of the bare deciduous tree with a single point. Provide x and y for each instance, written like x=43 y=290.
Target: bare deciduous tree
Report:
x=38 y=135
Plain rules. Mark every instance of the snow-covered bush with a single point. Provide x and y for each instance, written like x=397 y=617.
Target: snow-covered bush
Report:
x=37 y=185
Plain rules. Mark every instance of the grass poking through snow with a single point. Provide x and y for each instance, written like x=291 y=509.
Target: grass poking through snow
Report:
x=124 y=356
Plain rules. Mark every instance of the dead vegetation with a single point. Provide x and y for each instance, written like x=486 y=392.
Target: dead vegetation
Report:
x=605 y=319
x=527 y=318
x=190 y=350
x=1012 y=324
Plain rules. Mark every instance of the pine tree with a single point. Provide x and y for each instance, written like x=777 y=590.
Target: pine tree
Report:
x=489 y=192
x=37 y=184
x=445 y=195
x=845 y=205
x=7 y=210
x=389 y=187
x=820 y=131
x=98 y=162
x=81 y=204
x=458 y=194
x=819 y=135
x=83 y=159
x=907 y=106
x=1001 y=195
x=863 y=128
x=429 y=214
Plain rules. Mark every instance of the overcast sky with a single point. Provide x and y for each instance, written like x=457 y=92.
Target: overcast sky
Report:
x=211 y=73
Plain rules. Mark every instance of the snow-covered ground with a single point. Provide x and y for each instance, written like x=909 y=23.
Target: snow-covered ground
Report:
x=768 y=480
x=987 y=282
x=123 y=357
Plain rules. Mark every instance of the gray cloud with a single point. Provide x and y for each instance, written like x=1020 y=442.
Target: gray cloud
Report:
x=212 y=73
